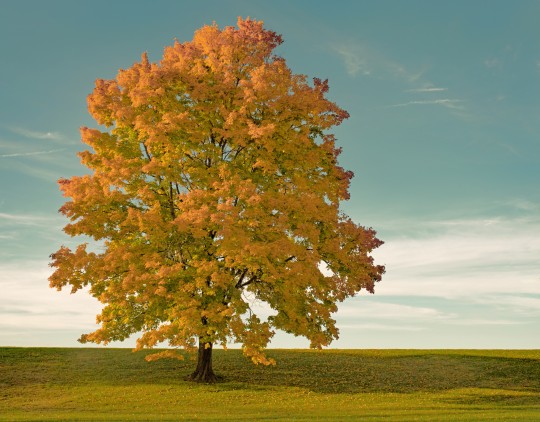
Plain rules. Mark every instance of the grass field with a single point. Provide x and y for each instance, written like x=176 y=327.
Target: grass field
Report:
x=116 y=384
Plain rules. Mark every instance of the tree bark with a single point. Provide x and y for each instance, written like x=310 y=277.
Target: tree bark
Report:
x=204 y=371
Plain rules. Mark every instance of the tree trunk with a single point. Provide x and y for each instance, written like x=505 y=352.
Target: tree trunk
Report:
x=204 y=372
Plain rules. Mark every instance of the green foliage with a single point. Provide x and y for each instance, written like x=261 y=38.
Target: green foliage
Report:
x=116 y=384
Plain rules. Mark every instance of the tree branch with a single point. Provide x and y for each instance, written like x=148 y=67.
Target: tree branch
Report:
x=251 y=280
x=171 y=201
x=239 y=283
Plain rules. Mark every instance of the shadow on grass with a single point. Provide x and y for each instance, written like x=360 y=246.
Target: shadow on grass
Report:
x=345 y=372
x=515 y=401
x=322 y=372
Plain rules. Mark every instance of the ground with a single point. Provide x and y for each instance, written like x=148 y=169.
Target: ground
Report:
x=116 y=384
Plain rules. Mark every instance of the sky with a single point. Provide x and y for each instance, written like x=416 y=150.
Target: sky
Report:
x=443 y=138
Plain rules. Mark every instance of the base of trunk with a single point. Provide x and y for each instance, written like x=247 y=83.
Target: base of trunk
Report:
x=204 y=372
x=204 y=377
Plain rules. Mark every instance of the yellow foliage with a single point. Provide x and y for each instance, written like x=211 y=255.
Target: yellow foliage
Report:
x=216 y=183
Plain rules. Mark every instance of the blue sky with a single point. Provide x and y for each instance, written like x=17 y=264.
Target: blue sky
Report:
x=444 y=140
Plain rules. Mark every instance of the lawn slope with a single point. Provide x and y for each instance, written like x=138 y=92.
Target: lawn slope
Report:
x=116 y=384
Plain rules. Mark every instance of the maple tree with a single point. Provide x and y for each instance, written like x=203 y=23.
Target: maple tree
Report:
x=215 y=183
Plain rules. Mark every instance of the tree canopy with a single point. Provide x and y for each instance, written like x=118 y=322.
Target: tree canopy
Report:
x=214 y=182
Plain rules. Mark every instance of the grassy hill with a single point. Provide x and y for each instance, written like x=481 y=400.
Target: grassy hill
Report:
x=116 y=384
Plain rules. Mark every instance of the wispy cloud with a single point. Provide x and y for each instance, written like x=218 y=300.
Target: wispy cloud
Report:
x=427 y=89
x=523 y=205
x=32 y=134
x=445 y=102
x=41 y=137
x=360 y=59
x=462 y=258
x=492 y=63
x=512 y=304
x=44 y=173
x=381 y=327
x=29 y=304
x=483 y=321
x=25 y=219
x=46 y=165
x=31 y=154
x=508 y=147
x=353 y=60
x=358 y=308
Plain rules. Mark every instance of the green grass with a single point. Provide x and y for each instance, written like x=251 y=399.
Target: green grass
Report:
x=116 y=384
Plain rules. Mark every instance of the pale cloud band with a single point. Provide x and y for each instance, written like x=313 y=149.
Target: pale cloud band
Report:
x=31 y=154
x=464 y=258
x=430 y=89
x=445 y=102
x=27 y=219
x=32 y=134
x=486 y=264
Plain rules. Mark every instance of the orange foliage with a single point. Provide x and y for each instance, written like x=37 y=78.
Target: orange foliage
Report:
x=217 y=181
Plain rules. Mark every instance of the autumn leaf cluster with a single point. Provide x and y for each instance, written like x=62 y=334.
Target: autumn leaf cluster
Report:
x=215 y=184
